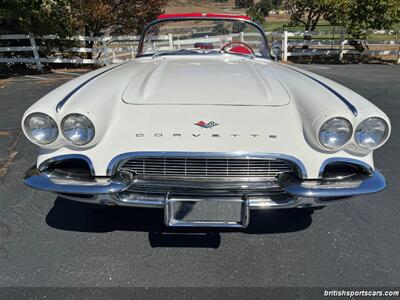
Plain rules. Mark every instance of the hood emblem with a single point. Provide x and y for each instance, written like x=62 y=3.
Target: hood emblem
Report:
x=203 y=124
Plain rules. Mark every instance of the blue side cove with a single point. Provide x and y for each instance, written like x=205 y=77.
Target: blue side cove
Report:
x=70 y=94
x=344 y=100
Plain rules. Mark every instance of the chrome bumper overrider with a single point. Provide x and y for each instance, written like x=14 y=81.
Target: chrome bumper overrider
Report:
x=116 y=190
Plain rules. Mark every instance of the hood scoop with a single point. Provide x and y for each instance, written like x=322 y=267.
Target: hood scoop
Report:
x=205 y=82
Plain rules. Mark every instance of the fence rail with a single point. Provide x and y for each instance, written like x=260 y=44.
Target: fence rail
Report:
x=106 y=50
x=303 y=44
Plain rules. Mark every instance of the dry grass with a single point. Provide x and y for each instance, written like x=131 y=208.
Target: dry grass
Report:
x=177 y=6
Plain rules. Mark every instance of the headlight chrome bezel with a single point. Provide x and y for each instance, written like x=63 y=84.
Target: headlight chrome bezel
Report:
x=29 y=133
x=349 y=135
x=83 y=143
x=384 y=136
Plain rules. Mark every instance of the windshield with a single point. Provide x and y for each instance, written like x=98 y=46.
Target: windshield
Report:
x=203 y=36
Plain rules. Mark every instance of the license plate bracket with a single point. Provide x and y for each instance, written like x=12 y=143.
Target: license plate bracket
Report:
x=209 y=212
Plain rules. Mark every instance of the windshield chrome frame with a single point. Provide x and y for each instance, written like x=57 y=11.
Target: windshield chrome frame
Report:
x=265 y=55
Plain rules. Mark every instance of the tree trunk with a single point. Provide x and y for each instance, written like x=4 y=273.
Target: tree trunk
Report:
x=315 y=22
x=88 y=44
x=309 y=19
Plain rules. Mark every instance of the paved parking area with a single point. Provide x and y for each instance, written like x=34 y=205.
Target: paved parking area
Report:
x=48 y=241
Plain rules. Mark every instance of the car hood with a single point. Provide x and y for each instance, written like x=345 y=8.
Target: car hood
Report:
x=222 y=81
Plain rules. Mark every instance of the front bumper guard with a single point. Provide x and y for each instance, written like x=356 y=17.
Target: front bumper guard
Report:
x=297 y=193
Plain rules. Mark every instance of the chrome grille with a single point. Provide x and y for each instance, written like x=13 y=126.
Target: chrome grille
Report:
x=189 y=167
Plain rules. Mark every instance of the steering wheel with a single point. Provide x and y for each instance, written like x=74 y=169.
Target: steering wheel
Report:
x=241 y=48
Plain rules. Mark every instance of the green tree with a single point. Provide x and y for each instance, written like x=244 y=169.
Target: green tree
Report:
x=95 y=17
x=255 y=15
x=357 y=16
x=115 y=16
x=306 y=12
x=277 y=3
x=69 y=17
x=360 y=16
x=264 y=7
x=259 y=11
x=244 y=3
x=90 y=17
x=35 y=16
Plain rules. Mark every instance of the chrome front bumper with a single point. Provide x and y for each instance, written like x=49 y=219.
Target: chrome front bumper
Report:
x=295 y=193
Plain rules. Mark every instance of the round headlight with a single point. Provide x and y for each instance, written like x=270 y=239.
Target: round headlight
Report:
x=77 y=129
x=335 y=133
x=41 y=128
x=371 y=133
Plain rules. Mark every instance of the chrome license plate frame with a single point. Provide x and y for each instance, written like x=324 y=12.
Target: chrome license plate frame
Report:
x=208 y=212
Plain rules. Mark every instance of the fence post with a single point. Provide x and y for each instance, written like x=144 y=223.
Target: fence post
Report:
x=170 y=41
x=241 y=35
x=284 y=46
x=398 y=49
x=35 y=52
x=342 y=43
x=105 y=50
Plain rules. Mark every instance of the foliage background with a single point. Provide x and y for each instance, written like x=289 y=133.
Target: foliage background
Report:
x=88 y=17
x=97 y=17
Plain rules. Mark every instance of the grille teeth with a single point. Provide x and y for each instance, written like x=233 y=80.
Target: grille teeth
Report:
x=185 y=167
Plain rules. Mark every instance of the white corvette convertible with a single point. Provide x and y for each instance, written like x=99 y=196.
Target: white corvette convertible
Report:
x=204 y=125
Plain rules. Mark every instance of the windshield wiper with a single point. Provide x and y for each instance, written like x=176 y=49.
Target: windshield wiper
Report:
x=177 y=51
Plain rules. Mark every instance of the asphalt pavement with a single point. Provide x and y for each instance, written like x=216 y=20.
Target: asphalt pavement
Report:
x=49 y=241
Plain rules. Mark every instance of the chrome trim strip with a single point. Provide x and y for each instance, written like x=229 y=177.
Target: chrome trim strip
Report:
x=226 y=180
x=118 y=160
x=289 y=202
x=350 y=106
x=299 y=193
x=207 y=186
x=50 y=182
x=45 y=164
x=360 y=163
x=148 y=203
x=254 y=203
x=70 y=94
x=366 y=185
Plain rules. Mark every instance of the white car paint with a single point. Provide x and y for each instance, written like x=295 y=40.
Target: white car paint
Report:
x=239 y=81
x=152 y=104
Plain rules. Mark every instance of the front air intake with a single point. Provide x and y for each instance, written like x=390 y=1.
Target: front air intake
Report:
x=207 y=168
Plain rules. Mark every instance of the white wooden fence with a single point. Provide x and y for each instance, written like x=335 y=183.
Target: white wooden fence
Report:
x=106 y=50
x=112 y=49
x=294 y=44
x=103 y=51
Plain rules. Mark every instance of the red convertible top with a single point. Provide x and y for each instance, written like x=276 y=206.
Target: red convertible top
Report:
x=195 y=15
